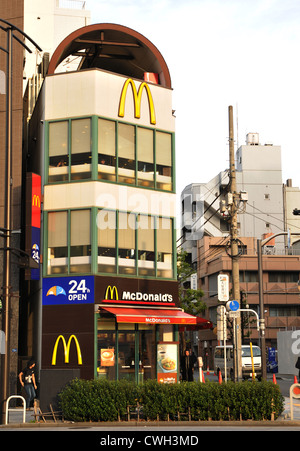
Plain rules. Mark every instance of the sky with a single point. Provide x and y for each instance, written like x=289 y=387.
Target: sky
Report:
x=243 y=53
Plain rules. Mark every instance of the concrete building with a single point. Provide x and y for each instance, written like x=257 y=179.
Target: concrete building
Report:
x=42 y=22
x=265 y=208
x=102 y=139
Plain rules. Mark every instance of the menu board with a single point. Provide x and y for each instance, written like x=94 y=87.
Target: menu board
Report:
x=167 y=363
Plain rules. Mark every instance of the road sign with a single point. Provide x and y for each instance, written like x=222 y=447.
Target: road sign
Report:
x=233 y=306
x=223 y=287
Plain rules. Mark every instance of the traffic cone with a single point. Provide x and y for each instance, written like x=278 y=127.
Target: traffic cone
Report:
x=207 y=371
x=295 y=380
x=274 y=379
x=203 y=378
x=220 y=377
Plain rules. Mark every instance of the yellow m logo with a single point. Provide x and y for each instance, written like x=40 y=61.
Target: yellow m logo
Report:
x=111 y=290
x=137 y=97
x=36 y=201
x=66 y=349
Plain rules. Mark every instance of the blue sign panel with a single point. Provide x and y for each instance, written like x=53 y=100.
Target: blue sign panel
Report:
x=68 y=290
x=35 y=251
x=234 y=306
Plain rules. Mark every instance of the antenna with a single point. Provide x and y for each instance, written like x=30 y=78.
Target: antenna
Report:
x=237 y=126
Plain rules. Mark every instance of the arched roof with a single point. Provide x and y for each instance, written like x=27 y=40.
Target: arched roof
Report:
x=114 y=48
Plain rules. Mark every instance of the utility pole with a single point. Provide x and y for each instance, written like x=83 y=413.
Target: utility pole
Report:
x=10 y=31
x=234 y=250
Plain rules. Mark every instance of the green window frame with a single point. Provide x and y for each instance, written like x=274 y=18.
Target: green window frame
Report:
x=68 y=243
x=114 y=242
x=99 y=148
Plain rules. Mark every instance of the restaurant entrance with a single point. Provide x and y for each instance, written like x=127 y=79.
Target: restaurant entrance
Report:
x=126 y=351
x=129 y=351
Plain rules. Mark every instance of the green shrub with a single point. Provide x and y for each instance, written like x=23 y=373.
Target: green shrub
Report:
x=96 y=400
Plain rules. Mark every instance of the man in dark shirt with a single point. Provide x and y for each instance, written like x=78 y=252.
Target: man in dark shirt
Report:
x=188 y=361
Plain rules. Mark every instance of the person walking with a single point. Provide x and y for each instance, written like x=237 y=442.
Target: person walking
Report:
x=27 y=380
x=187 y=365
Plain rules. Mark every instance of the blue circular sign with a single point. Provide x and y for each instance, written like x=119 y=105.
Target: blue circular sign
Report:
x=234 y=305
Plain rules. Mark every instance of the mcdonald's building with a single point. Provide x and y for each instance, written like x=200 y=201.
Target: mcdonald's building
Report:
x=110 y=305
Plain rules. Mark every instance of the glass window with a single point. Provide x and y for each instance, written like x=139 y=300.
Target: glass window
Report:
x=106 y=348
x=284 y=277
x=126 y=243
x=58 y=151
x=126 y=153
x=80 y=250
x=147 y=352
x=81 y=157
x=164 y=161
x=57 y=253
x=126 y=358
x=145 y=157
x=106 y=150
x=106 y=223
x=164 y=247
x=146 y=252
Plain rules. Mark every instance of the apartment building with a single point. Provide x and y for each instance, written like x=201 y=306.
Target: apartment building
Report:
x=264 y=210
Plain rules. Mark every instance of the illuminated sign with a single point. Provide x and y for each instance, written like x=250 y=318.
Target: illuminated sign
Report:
x=137 y=98
x=33 y=222
x=68 y=290
x=66 y=347
x=109 y=293
x=137 y=297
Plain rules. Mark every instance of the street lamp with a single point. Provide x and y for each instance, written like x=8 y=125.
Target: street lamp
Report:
x=260 y=244
x=10 y=29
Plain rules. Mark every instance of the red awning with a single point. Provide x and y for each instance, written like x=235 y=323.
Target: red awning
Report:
x=156 y=316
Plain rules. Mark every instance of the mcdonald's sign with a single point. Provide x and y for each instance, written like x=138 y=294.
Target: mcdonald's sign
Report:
x=36 y=201
x=66 y=347
x=137 y=98
x=33 y=222
x=111 y=291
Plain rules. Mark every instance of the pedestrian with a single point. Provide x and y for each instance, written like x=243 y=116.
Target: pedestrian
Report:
x=188 y=361
x=27 y=380
x=298 y=368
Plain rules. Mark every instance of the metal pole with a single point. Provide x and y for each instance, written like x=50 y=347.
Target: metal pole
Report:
x=7 y=225
x=261 y=311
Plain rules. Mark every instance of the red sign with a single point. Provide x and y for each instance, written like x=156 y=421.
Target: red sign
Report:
x=36 y=201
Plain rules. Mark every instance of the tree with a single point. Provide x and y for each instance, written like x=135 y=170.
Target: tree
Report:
x=190 y=300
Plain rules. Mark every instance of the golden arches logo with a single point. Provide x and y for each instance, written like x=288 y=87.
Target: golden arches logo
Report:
x=36 y=201
x=66 y=349
x=111 y=291
x=137 y=98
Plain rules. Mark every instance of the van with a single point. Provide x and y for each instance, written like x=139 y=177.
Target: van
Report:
x=246 y=361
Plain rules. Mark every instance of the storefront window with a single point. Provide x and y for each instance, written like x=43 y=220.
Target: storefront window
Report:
x=146 y=252
x=126 y=243
x=58 y=151
x=125 y=351
x=81 y=158
x=145 y=157
x=164 y=161
x=164 y=238
x=80 y=251
x=106 y=224
x=106 y=150
x=147 y=352
x=57 y=253
x=126 y=346
x=126 y=153
x=106 y=349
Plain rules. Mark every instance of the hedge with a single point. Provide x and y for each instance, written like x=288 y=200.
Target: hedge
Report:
x=102 y=400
